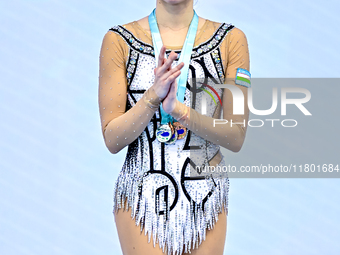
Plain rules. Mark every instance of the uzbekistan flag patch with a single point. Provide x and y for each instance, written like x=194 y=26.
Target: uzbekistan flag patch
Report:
x=242 y=77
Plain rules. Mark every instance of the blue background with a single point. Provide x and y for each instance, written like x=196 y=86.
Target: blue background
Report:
x=57 y=176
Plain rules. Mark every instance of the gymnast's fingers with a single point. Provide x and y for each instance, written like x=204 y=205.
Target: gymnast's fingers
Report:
x=161 y=56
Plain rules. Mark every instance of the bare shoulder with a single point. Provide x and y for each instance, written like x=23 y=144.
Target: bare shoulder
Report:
x=144 y=23
x=236 y=32
x=201 y=22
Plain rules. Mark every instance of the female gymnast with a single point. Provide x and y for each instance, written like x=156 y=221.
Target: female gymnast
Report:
x=151 y=100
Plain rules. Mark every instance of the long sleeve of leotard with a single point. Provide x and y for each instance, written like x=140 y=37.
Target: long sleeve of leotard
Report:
x=120 y=128
x=232 y=138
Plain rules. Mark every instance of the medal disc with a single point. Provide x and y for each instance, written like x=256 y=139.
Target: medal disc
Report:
x=172 y=128
x=173 y=138
x=180 y=129
x=163 y=133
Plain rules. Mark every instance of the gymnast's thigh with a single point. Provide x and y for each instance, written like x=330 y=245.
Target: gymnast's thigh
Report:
x=214 y=240
x=132 y=240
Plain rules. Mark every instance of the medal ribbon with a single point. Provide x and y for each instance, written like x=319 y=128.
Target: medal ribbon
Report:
x=185 y=57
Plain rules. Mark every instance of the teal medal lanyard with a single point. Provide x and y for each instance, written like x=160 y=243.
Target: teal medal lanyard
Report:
x=165 y=134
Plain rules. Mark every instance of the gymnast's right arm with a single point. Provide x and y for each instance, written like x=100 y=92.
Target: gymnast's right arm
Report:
x=120 y=128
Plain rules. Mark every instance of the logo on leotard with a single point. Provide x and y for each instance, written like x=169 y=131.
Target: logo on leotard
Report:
x=242 y=77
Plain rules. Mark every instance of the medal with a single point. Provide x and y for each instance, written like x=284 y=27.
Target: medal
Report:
x=180 y=130
x=163 y=133
x=167 y=132
x=173 y=138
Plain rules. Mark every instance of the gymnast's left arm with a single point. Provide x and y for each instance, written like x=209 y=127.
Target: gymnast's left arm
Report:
x=228 y=136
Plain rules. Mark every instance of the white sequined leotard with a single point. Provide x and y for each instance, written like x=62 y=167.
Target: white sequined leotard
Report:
x=155 y=179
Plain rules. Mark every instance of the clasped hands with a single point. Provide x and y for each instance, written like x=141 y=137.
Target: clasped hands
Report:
x=165 y=84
